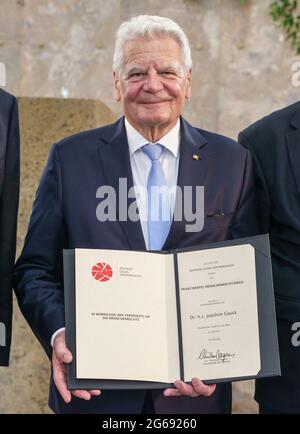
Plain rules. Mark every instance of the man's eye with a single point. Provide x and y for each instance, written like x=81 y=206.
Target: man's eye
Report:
x=170 y=73
x=136 y=74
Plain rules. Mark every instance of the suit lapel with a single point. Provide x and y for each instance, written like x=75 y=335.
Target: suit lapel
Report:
x=115 y=162
x=191 y=172
x=293 y=144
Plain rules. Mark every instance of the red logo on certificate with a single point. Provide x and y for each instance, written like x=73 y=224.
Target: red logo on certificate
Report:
x=102 y=272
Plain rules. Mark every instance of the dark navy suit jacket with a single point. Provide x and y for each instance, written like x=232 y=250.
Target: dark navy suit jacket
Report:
x=274 y=142
x=9 y=200
x=64 y=216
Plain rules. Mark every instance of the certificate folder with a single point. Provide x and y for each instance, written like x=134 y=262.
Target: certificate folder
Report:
x=198 y=273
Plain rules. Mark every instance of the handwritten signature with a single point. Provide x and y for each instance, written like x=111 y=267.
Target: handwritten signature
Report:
x=218 y=355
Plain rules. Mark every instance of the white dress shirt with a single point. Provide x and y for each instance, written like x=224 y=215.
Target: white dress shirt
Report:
x=141 y=166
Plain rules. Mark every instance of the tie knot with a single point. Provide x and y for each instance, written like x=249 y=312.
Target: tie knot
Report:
x=153 y=150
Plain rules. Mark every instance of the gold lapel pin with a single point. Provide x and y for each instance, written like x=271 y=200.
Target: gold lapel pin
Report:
x=196 y=157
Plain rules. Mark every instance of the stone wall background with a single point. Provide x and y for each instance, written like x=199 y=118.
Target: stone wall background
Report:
x=242 y=63
x=63 y=49
x=43 y=121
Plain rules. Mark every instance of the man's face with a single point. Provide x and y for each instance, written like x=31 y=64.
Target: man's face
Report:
x=153 y=85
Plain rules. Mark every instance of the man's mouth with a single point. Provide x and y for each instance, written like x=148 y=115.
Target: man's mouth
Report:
x=154 y=102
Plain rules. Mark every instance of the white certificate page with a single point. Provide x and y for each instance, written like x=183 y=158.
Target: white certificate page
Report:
x=218 y=299
x=126 y=321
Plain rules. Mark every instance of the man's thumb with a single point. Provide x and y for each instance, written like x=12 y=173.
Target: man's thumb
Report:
x=62 y=353
x=67 y=357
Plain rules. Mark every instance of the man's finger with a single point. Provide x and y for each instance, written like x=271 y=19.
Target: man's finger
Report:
x=185 y=389
x=63 y=390
x=203 y=389
x=172 y=392
x=59 y=378
x=82 y=394
x=95 y=392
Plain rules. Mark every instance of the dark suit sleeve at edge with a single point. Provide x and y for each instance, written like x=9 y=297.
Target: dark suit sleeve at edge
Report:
x=246 y=221
x=8 y=226
x=38 y=271
x=261 y=188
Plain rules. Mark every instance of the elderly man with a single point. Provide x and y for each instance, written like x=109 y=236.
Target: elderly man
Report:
x=9 y=200
x=151 y=145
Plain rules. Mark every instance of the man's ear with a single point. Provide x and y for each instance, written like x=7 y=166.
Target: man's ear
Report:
x=189 y=85
x=117 y=90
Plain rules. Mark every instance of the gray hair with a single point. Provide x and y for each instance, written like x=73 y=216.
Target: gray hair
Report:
x=150 y=27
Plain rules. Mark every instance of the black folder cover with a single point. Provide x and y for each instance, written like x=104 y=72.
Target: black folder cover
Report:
x=269 y=352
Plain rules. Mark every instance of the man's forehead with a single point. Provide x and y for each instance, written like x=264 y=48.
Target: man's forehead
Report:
x=143 y=51
x=145 y=63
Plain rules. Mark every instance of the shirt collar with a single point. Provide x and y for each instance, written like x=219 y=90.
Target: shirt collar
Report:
x=169 y=141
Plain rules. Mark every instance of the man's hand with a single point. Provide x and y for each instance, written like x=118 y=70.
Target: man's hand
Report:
x=198 y=388
x=60 y=357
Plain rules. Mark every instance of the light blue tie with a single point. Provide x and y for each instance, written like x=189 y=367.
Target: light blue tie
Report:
x=159 y=216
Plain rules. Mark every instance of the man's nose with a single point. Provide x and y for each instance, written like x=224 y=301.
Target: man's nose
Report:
x=153 y=83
